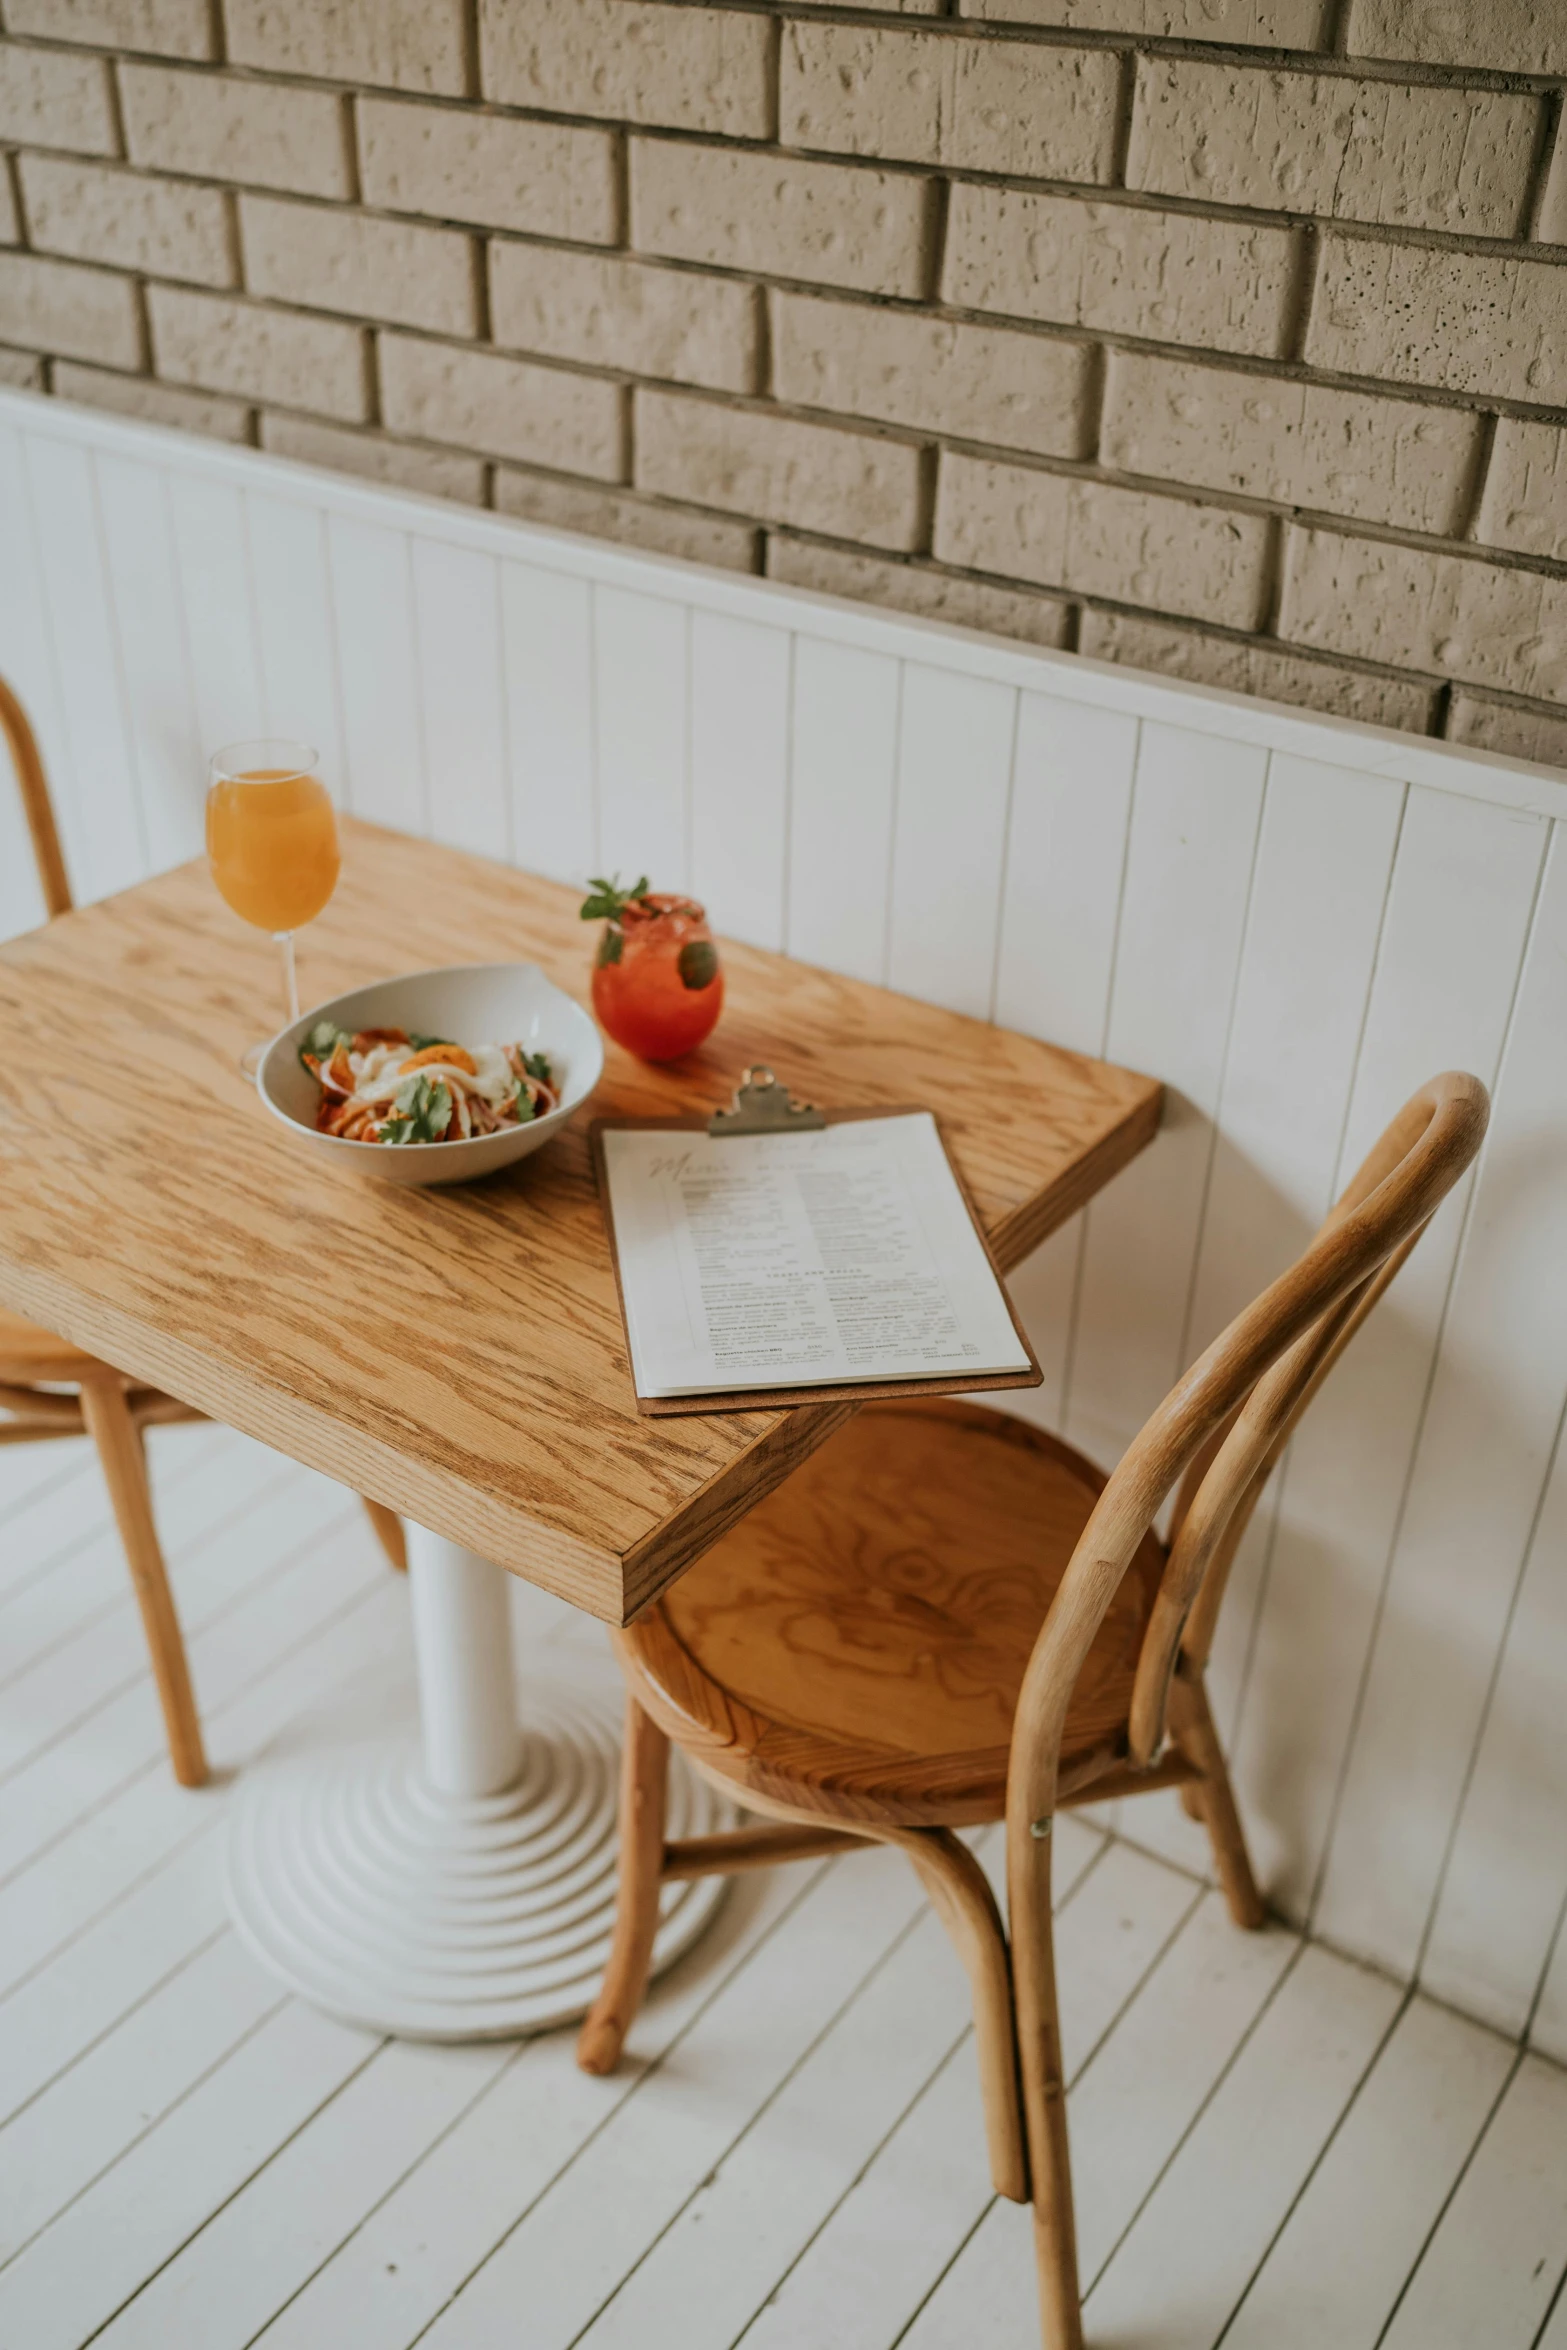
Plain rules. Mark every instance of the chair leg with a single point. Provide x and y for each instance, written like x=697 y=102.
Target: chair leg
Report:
x=644 y=1781
x=119 y=1444
x=1044 y=2089
x=388 y=1532
x=1191 y=1724
x=960 y=1894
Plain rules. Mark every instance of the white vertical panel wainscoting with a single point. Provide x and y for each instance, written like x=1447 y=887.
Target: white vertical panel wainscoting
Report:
x=1292 y=920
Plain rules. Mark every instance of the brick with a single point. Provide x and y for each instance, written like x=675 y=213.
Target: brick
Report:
x=337 y=260
x=1266 y=24
x=165 y=227
x=620 y=314
x=636 y=522
x=10 y=221
x=918 y=588
x=394 y=44
x=1241 y=667
x=1109 y=267
x=1503 y=727
x=216 y=128
x=1551 y=227
x=273 y=355
x=51 y=99
x=154 y=403
x=1394 y=461
x=975 y=382
x=159 y=28
x=690 y=69
x=1067 y=533
x=1525 y=501
x=888 y=7
x=1413 y=609
x=502 y=407
x=549 y=179
x=978 y=105
x=1384 y=152
x=824 y=222
x=437 y=473
x=1508 y=36
x=78 y=313
x=1461 y=322
x=847 y=484
x=21 y=371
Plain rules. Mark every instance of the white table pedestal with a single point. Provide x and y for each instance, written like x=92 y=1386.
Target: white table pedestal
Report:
x=462 y=1887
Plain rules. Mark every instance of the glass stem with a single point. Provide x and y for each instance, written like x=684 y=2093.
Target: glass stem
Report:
x=285 y=939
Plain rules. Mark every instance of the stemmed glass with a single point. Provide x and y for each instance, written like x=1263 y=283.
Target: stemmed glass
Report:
x=272 y=845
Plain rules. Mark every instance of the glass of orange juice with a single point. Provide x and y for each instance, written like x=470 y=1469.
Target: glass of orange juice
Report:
x=272 y=845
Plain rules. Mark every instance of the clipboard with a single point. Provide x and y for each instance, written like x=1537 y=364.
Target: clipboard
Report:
x=763 y=1106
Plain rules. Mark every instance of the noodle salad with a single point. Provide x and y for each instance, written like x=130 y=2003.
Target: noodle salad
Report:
x=387 y=1085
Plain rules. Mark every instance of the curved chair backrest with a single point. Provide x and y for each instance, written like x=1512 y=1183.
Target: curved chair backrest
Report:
x=1222 y=1427
x=36 y=804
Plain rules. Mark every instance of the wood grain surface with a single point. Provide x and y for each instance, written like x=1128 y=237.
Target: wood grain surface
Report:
x=856 y=1646
x=455 y=1354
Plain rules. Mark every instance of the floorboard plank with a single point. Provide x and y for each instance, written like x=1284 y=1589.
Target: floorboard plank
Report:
x=1181 y=2270
x=1128 y=2113
x=234 y=1542
x=78 y=1584
x=101 y=2250
x=861 y=2279
x=761 y=2203
x=65 y=1503
x=412 y=2254
x=306 y=1587
x=134 y=1890
x=91 y=2115
x=1352 y=2239
x=1499 y=2252
x=230 y=2280
x=583 y=2237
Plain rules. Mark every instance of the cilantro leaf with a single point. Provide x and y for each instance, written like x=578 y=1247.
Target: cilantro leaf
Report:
x=422 y=1044
x=421 y=1110
x=538 y=1067
x=324 y=1040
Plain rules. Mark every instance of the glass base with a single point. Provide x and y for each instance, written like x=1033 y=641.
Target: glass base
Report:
x=251 y=1058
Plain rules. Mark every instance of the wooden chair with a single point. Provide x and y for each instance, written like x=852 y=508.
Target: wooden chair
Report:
x=48 y=1387
x=947 y=1617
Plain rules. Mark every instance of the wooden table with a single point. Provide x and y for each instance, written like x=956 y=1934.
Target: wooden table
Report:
x=456 y=1354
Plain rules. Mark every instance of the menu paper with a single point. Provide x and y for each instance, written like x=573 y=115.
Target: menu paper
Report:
x=809 y=1259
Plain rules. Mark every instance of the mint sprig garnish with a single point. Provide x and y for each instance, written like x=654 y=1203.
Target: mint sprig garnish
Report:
x=608 y=901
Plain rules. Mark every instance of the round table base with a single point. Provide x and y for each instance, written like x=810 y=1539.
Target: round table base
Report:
x=439 y=1917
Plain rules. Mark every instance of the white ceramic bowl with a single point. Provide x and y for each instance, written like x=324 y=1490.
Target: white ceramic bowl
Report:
x=472 y=1003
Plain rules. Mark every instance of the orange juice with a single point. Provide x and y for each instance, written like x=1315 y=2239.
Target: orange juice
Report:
x=272 y=843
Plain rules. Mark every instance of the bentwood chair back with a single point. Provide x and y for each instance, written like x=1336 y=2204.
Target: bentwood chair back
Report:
x=50 y=1388
x=946 y=1617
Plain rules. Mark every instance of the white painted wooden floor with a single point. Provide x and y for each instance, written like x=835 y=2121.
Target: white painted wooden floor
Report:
x=1275 y=2149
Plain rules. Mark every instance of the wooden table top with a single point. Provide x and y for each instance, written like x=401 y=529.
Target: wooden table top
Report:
x=458 y=1353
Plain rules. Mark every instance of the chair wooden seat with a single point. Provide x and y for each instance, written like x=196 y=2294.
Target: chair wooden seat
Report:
x=27 y=1352
x=857 y=1644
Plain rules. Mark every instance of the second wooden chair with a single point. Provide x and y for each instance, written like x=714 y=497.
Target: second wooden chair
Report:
x=946 y=1617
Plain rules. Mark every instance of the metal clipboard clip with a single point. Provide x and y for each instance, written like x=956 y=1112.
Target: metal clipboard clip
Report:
x=763 y=1106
